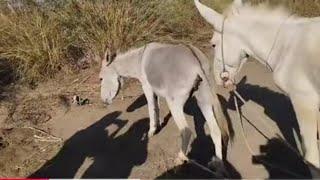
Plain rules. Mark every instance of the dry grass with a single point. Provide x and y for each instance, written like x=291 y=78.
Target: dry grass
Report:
x=309 y=8
x=40 y=41
x=33 y=42
x=117 y=24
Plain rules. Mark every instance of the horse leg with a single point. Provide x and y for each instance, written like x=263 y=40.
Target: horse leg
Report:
x=153 y=108
x=306 y=109
x=176 y=108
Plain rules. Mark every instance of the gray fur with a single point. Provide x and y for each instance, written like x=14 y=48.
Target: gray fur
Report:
x=172 y=72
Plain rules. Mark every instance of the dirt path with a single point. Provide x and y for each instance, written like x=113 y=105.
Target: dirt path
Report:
x=110 y=141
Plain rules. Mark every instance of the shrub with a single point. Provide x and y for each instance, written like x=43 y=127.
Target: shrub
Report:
x=41 y=39
x=33 y=41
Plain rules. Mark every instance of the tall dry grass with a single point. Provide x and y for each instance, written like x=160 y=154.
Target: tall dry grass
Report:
x=37 y=40
x=41 y=40
x=309 y=8
x=33 y=42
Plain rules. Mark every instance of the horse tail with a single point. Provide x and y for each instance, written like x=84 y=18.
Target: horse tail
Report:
x=207 y=75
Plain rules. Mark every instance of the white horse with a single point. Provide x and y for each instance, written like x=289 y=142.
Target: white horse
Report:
x=173 y=72
x=286 y=44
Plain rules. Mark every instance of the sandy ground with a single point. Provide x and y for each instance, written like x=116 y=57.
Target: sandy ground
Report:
x=111 y=142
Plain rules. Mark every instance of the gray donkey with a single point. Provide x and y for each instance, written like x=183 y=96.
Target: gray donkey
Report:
x=174 y=72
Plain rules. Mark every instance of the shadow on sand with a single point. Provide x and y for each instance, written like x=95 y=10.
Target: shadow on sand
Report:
x=281 y=162
x=279 y=108
x=7 y=77
x=202 y=151
x=202 y=148
x=113 y=157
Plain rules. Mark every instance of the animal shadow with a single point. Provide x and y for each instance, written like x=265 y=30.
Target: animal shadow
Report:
x=113 y=157
x=276 y=106
x=138 y=103
x=281 y=162
x=201 y=150
x=276 y=152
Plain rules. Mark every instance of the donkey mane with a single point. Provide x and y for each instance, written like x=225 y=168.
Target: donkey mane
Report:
x=130 y=53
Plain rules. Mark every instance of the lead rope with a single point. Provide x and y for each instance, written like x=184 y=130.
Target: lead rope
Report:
x=222 y=44
x=236 y=94
x=194 y=162
x=204 y=168
x=275 y=42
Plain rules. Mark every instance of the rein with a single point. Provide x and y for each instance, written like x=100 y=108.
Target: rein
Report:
x=241 y=116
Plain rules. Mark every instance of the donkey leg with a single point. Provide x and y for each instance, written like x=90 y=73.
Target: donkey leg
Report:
x=306 y=110
x=204 y=103
x=153 y=109
x=176 y=108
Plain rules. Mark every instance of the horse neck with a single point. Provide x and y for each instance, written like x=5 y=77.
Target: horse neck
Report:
x=262 y=38
x=129 y=63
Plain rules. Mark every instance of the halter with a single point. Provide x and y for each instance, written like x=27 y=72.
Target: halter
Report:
x=225 y=74
x=222 y=40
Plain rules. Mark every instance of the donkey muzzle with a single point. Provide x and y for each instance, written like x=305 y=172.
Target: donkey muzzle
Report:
x=225 y=76
x=227 y=82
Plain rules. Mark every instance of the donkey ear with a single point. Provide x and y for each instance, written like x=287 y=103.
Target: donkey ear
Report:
x=112 y=56
x=236 y=5
x=105 y=55
x=121 y=80
x=210 y=15
x=108 y=57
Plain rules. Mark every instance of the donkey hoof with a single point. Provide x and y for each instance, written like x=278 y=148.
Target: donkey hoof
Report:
x=178 y=161
x=152 y=132
x=181 y=159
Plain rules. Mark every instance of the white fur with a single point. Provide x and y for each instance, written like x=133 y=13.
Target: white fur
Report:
x=289 y=44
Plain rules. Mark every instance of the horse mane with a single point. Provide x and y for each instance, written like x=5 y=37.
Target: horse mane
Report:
x=261 y=11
